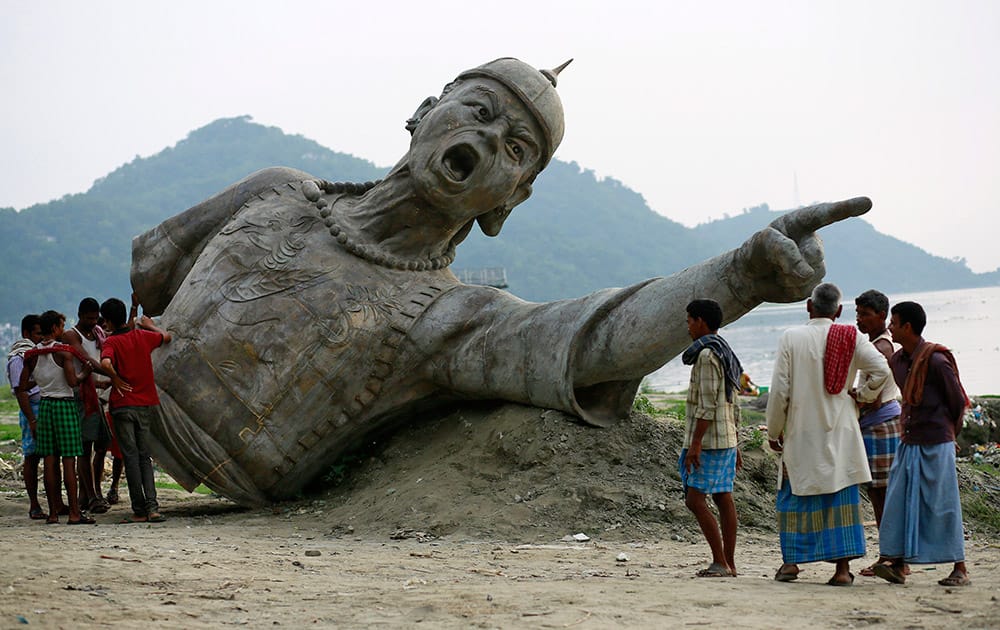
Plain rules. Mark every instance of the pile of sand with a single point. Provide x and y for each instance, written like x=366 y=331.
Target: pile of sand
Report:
x=509 y=472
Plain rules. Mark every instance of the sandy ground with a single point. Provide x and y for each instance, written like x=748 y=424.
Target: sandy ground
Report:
x=213 y=565
x=456 y=522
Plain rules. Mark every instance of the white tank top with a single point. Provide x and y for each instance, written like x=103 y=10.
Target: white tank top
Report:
x=89 y=345
x=50 y=377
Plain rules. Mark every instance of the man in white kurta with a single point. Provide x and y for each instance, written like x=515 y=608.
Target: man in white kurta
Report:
x=822 y=452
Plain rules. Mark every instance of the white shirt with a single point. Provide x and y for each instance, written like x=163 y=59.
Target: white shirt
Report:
x=823 y=448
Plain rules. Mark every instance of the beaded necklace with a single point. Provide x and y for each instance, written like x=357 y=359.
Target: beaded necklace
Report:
x=313 y=189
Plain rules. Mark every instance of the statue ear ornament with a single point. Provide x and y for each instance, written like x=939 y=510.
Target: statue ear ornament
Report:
x=491 y=222
x=426 y=106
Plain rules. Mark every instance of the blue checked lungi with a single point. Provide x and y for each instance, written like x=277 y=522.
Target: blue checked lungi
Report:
x=716 y=473
x=28 y=440
x=922 y=519
x=881 y=442
x=820 y=527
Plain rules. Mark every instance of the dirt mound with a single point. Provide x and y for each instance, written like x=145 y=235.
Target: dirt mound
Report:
x=509 y=472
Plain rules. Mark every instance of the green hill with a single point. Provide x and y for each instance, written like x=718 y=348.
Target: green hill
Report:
x=576 y=234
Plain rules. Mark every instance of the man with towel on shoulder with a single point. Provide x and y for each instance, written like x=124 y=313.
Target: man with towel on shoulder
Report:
x=922 y=518
x=711 y=457
x=812 y=420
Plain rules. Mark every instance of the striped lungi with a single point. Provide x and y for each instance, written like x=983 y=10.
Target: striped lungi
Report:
x=820 y=527
x=58 y=428
x=922 y=518
x=716 y=473
x=881 y=442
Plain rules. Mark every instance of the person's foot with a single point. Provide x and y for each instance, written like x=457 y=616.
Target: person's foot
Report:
x=83 y=520
x=134 y=518
x=787 y=573
x=156 y=517
x=840 y=580
x=36 y=514
x=99 y=506
x=869 y=571
x=714 y=570
x=112 y=496
x=957 y=578
x=890 y=572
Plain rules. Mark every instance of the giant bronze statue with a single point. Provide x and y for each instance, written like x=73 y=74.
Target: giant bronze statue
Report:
x=307 y=314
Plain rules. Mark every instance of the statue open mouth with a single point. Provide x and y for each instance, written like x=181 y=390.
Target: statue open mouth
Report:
x=460 y=161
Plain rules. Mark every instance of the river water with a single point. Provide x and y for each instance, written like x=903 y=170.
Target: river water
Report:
x=965 y=320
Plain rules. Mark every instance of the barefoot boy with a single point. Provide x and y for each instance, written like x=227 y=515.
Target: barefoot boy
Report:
x=31 y=334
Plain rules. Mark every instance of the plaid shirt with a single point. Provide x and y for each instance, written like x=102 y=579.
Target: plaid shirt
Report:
x=706 y=400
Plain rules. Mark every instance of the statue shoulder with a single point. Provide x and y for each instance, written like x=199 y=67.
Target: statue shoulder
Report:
x=162 y=256
x=266 y=179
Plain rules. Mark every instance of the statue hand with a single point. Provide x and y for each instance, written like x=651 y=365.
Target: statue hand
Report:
x=784 y=261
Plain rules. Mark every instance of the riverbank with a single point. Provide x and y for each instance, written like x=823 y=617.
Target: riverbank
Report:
x=212 y=566
x=467 y=519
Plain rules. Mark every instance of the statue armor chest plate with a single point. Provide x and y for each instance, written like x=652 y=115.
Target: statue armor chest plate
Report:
x=285 y=343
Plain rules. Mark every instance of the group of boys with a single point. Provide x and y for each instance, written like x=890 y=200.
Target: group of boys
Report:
x=52 y=373
x=880 y=410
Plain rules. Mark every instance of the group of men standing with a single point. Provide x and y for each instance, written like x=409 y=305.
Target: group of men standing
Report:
x=52 y=373
x=880 y=409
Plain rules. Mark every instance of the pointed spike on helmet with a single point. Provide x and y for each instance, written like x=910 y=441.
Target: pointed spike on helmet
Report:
x=553 y=74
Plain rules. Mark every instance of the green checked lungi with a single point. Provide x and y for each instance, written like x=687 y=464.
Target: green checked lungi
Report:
x=58 y=429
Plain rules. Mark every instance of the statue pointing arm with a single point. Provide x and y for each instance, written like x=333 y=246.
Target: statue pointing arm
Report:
x=781 y=263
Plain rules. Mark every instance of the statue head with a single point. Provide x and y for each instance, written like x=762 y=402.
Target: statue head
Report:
x=523 y=116
x=537 y=91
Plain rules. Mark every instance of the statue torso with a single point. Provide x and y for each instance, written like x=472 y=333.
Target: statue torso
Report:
x=287 y=347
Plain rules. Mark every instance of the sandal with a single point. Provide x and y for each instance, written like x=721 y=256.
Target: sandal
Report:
x=714 y=570
x=833 y=581
x=112 y=496
x=956 y=579
x=83 y=520
x=785 y=576
x=99 y=505
x=37 y=514
x=156 y=517
x=889 y=572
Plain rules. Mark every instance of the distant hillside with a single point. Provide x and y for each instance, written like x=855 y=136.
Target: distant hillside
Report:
x=80 y=245
x=575 y=235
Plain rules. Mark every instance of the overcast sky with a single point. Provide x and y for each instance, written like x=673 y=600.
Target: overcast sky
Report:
x=705 y=108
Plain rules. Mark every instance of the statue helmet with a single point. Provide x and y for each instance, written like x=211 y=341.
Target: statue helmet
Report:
x=536 y=89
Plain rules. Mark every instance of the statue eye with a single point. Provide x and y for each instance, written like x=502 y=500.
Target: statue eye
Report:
x=516 y=150
x=483 y=113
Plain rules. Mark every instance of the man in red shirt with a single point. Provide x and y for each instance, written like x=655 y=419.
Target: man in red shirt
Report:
x=127 y=352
